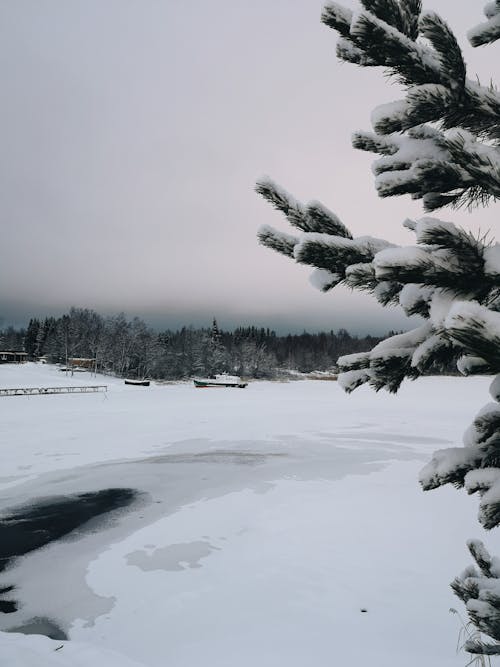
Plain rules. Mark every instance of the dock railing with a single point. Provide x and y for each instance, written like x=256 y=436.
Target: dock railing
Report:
x=41 y=391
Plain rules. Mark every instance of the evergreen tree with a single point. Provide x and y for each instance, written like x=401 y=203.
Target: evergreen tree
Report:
x=30 y=340
x=12 y=339
x=216 y=355
x=41 y=337
x=439 y=144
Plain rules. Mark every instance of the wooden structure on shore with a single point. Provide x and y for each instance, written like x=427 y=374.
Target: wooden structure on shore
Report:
x=12 y=357
x=82 y=363
x=39 y=391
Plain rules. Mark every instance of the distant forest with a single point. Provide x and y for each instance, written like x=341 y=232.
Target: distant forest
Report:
x=129 y=348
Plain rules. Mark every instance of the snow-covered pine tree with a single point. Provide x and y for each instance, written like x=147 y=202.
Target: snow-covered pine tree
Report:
x=217 y=360
x=440 y=144
x=30 y=339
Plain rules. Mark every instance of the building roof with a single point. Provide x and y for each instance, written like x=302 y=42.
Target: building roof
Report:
x=18 y=354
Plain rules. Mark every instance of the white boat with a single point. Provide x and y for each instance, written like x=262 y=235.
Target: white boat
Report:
x=220 y=380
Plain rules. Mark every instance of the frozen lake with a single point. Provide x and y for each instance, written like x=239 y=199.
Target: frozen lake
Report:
x=264 y=521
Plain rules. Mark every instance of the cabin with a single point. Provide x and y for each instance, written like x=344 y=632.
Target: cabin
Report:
x=11 y=357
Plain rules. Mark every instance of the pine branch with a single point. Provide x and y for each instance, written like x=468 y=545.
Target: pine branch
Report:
x=477 y=330
x=489 y=31
x=446 y=46
x=325 y=280
x=481 y=556
x=448 y=172
x=276 y=240
x=361 y=276
x=282 y=201
x=446 y=95
x=465 y=586
x=390 y=369
x=407 y=60
x=311 y=218
x=415 y=299
x=327 y=245
x=337 y=17
x=430 y=164
x=420 y=265
x=396 y=14
x=367 y=141
x=351 y=380
x=336 y=253
x=325 y=221
x=354 y=362
x=475 y=466
x=477 y=647
x=435 y=355
x=387 y=292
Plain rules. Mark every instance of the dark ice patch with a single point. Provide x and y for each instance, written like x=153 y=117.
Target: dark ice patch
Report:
x=7 y=606
x=41 y=626
x=34 y=525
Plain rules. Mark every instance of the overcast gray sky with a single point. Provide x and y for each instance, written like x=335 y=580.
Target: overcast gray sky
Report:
x=133 y=132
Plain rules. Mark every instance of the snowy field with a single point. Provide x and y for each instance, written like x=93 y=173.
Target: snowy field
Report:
x=266 y=520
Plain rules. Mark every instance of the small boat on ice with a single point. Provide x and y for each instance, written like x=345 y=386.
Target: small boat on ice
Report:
x=138 y=383
x=221 y=380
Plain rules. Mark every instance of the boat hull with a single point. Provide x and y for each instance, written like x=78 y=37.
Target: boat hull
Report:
x=208 y=384
x=138 y=383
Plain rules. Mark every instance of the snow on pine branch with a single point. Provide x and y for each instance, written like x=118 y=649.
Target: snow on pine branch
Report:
x=283 y=201
x=386 y=34
x=479 y=588
x=436 y=348
x=414 y=299
x=327 y=244
x=337 y=17
x=335 y=253
x=476 y=110
x=452 y=241
x=445 y=256
x=475 y=465
x=441 y=168
x=408 y=340
x=406 y=355
x=438 y=167
x=324 y=280
x=387 y=365
x=424 y=266
x=489 y=31
x=326 y=221
x=477 y=330
x=410 y=61
x=447 y=169
x=469 y=364
x=311 y=218
x=351 y=380
x=425 y=279
x=277 y=240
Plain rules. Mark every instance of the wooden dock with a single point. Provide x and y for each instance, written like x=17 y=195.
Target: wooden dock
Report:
x=41 y=391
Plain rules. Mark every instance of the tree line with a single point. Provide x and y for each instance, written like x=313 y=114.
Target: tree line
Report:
x=129 y=348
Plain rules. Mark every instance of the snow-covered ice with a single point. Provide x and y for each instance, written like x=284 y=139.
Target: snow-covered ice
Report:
x=268 y=518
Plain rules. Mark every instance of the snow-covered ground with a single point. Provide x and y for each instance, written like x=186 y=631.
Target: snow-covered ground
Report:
x=268 y=519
